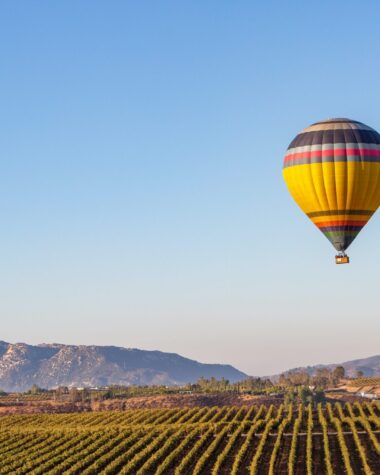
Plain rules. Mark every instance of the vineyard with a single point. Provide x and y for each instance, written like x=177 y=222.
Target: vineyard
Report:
x=331 y=439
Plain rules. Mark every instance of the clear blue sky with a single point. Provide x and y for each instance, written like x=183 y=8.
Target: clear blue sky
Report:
x=142 y=201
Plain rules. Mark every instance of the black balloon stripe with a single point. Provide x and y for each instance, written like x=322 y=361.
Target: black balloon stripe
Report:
x=321 y=137
x=350 y=158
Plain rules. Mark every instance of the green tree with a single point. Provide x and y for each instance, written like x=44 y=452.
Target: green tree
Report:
x=322 y=377
x=338 y=374
x=35 y=389
x=304 y=394
x=319 y=395
x=85 y=394
x=74 y=395
x=290 y=396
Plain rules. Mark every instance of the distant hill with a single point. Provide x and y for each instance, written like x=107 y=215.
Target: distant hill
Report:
x=369 y=366
x=52 y=365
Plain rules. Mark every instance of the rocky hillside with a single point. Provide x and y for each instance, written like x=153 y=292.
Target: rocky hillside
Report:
x=52 y=365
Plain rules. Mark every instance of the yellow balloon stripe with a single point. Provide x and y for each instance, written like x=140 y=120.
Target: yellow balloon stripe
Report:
x=331 y=192
x=334 y=186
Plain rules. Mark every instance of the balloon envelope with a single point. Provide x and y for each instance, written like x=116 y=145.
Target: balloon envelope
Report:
x=332 y=170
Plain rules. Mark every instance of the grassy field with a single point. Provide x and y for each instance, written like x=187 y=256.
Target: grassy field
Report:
x=333 y=439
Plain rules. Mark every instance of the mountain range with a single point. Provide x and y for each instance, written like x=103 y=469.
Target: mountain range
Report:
x=368 y=366
x=53 y=365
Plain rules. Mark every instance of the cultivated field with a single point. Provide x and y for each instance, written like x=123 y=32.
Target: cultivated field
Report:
x=333 y=439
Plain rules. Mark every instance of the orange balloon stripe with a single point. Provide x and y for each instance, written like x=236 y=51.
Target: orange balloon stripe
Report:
x=345 y=222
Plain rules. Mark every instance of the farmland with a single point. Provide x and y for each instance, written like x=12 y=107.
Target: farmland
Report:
x=332 y=439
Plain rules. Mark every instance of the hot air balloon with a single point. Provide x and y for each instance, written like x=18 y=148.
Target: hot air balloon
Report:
x=332 y=170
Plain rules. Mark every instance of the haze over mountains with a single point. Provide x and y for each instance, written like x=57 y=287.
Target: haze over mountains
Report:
x=52 y=365
x=369 y=366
